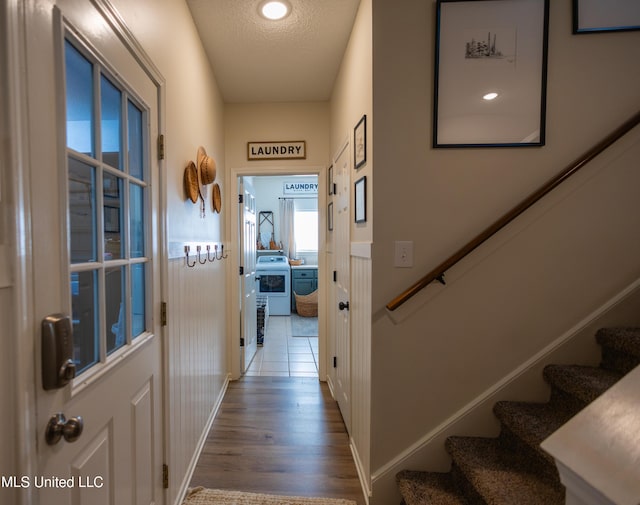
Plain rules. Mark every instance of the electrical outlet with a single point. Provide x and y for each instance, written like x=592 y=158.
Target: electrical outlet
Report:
x=403 y=257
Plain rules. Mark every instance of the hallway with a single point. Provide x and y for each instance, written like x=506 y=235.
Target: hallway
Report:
x=279 y=435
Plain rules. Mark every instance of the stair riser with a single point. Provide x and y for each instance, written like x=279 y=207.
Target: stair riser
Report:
x=535 y=458
x=464 y=487
x=618 y=361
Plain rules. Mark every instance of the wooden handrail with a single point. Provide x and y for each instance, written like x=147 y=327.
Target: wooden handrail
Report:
x=438 y=272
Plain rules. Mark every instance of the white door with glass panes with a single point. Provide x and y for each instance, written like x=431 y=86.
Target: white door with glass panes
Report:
x=93 y=126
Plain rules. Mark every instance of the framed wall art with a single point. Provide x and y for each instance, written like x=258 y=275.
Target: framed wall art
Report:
x=605 y=15
x=490 y=73
x=360 y=143
x=330 y=180
x=361 y=199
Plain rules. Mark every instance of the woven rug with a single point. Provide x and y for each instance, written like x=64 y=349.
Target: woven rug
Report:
x=204 y=496
x=304 y=326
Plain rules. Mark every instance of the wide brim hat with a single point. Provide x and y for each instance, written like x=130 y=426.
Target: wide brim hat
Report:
x=191 y=186
x=216 y=198
x=206 y=167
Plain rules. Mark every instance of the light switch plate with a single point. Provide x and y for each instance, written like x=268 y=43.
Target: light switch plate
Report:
x=403 y=257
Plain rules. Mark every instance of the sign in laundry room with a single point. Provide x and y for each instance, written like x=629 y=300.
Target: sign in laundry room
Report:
x=299 y=188
x=294 y=150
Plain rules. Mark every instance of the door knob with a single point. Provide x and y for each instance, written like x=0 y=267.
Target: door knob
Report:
x=59 y=427
x=343 y=305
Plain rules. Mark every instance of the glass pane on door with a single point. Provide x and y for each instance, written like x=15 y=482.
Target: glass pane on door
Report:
x=84 y=301
x=116 y=308
x=82 y=212
x=80 y=116
x=111 y=112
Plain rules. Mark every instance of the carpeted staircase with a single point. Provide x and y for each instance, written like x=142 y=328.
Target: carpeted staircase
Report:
x=512 y=469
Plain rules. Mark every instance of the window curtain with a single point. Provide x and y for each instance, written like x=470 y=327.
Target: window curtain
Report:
x=287 y=212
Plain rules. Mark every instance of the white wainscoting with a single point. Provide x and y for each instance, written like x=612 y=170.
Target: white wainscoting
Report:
x=196 y=362
x=361 y=360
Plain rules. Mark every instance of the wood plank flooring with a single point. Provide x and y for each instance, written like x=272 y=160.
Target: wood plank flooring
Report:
x=279 y=435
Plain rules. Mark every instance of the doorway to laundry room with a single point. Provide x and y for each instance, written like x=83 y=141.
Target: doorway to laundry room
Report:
x=286 y=276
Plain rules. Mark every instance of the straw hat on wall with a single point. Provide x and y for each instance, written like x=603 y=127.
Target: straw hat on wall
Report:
x=206 y=167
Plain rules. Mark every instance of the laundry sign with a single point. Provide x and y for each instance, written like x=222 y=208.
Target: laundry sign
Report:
x=300 y=188
x=294 y=150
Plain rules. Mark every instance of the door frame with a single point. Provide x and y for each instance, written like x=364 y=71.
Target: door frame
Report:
x=233 y=295
x=26 y=329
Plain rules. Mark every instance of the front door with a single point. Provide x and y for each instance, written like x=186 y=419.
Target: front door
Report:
x=248 y=238
x=95 y=211
x=342 y=256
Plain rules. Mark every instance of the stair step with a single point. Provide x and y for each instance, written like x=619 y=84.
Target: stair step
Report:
x=500 y=476
x=578 y=384
x=532 y=422
x=620 y=348
x=428 y=488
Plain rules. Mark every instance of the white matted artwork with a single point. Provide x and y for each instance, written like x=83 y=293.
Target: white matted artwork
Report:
x=491 y=59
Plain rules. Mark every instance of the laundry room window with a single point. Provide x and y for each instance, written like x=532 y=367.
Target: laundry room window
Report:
x=305 y=225
x=108 y=186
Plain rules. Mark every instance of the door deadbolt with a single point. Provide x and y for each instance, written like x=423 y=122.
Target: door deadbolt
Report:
x=59 y=427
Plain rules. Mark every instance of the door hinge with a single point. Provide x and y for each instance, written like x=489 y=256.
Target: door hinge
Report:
x=241 y=270
x=335 y=276
x=335 y=362
x=240 y=198
x=241 y=341
x=165 y=476
x=163 y=313
x=160 y=147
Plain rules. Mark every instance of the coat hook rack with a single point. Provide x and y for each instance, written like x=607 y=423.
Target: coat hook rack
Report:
x=210 y=258
x=186 y=257
x=198 y=248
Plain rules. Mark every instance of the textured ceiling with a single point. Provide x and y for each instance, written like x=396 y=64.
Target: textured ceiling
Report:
x=291 y=60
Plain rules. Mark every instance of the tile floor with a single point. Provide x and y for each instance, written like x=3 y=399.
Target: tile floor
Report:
x=283 y=355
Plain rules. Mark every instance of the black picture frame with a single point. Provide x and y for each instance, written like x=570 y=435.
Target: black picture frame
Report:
x=592 y=16
x=490 y=73
x=330 y=216
x=360 y=143
x=330 y=184
x=360 y=199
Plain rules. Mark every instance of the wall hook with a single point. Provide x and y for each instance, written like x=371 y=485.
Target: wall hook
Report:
x=210 y=258
x=186 y=257
x=222 y=252
x=198 y=248
x=224 y=256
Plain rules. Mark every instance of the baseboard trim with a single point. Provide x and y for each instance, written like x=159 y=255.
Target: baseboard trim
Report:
x=396 y=464
x=366 y=489
x=184 y=486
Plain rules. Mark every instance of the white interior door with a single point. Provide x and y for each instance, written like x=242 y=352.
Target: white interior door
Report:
x=248 y=238
x=95 y=211
x=341 y=230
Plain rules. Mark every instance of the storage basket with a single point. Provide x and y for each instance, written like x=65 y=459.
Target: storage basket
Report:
x=307 y=305
x=295 y=263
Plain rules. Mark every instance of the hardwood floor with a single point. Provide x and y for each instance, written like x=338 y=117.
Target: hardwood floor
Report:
x=279 y=435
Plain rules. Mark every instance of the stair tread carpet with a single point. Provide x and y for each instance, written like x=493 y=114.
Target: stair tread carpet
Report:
x=501 y=476
x=585 y=383
x=531 y=422
x=428 y=487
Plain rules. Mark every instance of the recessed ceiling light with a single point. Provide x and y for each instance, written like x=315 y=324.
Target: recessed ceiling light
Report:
x=490 y=96
x=274 y=9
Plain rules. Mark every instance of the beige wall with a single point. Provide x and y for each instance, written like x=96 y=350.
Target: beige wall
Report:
x=442 y=198
x=307 y=121
x=350 y=100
